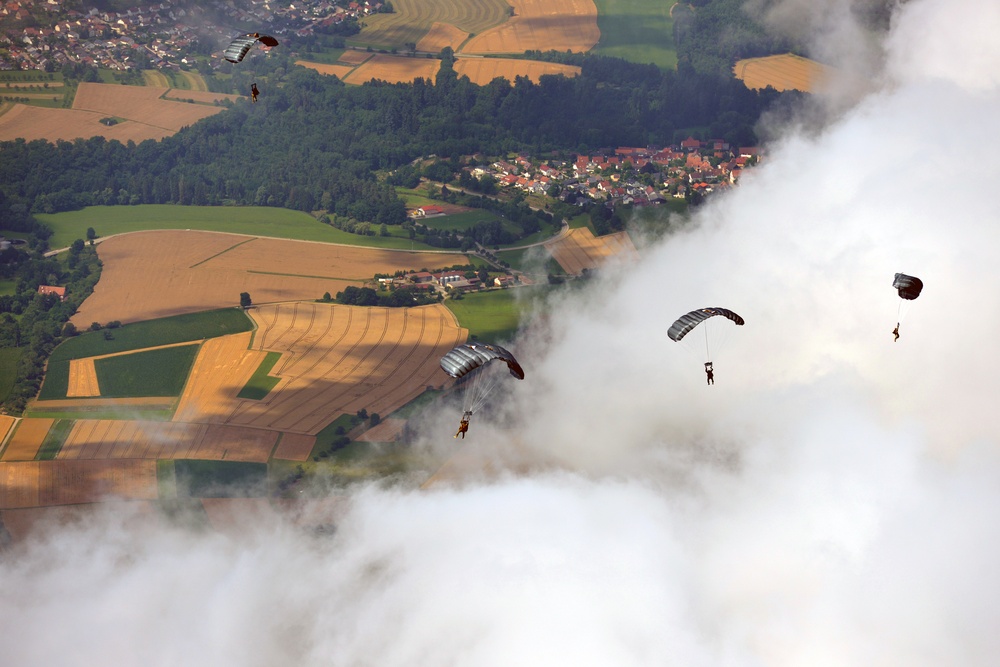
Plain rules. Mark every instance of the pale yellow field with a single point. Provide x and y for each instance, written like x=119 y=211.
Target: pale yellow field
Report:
x=141 y=104
x=441 y=35
x=27 y=439
x=204 y=97
x=483 y=70
x=220 y=371
x=580 y=249
x=339 y=71
x=339 y=359
x=353 y=57
x=147 y=402
x=544 y=25
x=30 y=123
x=195 y=271
x=116 y=439
x=394 y=69
x=41 y=483
x=6 y=422
x=783 y=72
x=82 y=379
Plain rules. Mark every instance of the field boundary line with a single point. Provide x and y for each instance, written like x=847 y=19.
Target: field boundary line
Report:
x=222 y=252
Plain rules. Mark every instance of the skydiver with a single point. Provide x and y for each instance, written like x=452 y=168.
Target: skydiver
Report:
x=463 y=426
x=709 y=373
x=254 y=92
x=895 y=332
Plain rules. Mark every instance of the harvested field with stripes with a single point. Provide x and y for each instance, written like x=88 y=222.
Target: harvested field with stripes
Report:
x=545 y=25
x=220 y=371
x=441 y=35
x=142 y=104
x=73 y=404
x=82 y=379
x=483 y=70
x=339 y=71
x=27 y=439
x=783 y=72
x=194 y=271
x=580 y=250
x=116 y=439
x=42 y=483
x=394 y=69
x=352 y=57
x=339 y=359
x=31 y=122
x=411 y=19
x=295 y=447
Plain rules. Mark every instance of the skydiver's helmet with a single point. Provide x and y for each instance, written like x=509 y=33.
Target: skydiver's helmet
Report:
x=708 y=365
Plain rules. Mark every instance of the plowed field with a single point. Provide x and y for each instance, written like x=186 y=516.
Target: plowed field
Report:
x=113 y=439
x=154 y=274
x=544 y=25
x=295 y=447
x=483 y=70
x=580 y=249
x=40 y=483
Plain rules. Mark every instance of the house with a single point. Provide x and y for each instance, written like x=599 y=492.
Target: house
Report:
x=425 y=211
x=503 y=281
x=421 y=277
x=690 y=144
x=53 y=289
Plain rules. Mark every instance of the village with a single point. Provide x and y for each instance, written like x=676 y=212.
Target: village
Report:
x=46 y=35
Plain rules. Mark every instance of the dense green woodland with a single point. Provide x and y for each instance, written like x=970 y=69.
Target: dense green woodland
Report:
x=313 y=143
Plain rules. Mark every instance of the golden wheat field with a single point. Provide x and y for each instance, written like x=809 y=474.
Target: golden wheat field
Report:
x=580 y=250
x=483 y=70
x=191 y=271
x=411 y=19
x=353 y=57
x=339 y=71
x=141 y=104
x=783 y=72
x=441 y=35
x=545 y=25
x=42 y=483
x=394 y=69
x=27 y=439
x=30 y=123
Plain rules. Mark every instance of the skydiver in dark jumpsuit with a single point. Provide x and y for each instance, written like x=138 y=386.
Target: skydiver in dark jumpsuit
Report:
x=895 y=332
x=709 y=373
x=254 y=92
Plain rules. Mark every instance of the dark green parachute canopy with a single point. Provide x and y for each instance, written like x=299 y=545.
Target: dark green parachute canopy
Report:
x=240 y=46
x=908 y=286
x=685 y=323
x=468 y=357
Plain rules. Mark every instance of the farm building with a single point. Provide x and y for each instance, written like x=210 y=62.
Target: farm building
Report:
x=53 y=289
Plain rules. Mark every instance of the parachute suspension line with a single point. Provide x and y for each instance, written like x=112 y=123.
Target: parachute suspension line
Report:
x=708 y=351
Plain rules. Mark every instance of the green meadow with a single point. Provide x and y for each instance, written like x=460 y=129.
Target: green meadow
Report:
x=640 y=31
x=489 y=316
x=160 y=372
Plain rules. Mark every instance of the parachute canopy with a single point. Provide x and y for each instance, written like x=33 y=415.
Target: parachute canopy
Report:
x=908 y=286
x=468 y=357
x=240 y=46
x=686 y=323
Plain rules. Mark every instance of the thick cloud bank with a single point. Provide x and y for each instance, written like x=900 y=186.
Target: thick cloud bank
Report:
x=831 y=500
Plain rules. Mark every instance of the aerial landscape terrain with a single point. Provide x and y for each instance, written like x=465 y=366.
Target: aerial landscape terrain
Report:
x=493 y=332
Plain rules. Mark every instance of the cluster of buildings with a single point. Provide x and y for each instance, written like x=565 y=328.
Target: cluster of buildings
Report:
x=627 y=175
x=45 y=35
x=445 y=282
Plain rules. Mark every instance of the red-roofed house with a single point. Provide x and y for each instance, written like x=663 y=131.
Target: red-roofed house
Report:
x=53 y=289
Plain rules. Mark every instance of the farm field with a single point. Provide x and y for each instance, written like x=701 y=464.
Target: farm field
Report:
x=43 y=483
x=31 y=122
x=483 y=70
x=441 y=35
x=394 y=69
x=559 y=25
x=339 y=71
x=353 y=57
x=140 y=104
x=27 y=439
x=335 y=359
x=253 y=220
x=195 y=271
x=222 y=368
x=412 y=19
x=295 y=447
x=200 y=95
x=580 y=250
x=783 y=72
x=638 y=31
x=490 y=316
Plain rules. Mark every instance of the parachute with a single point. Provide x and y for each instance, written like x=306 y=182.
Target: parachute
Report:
x=716 y=330
x=240 y=46
x=685 y=323
x=470 y=362
x=907 y=286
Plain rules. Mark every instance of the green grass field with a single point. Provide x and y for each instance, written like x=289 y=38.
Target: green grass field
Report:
x=254 y=220
x=260 y=383
x=9 y=356
x=54 y=440
x=640 y=31
x=136 y=336
x=161 y=372
x=457 y=221
x=219 y=479
x=489 y=316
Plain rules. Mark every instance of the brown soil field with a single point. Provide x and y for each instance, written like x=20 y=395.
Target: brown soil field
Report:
x=23 y=523
x=141 y=104
x=353 y=57
x=194 y=271
x=295 y=447
x=580 y=249
x=783 y=72
x=41 y=483
x=220 y=371
x=339 y=71
x=387 y=430
x=441 y=35
x=204 y=97
x=339 y=359
x=116 y=439
x=30 y=123
x=545 y=25
x=483 y=70
x=148 y=402
x=27 y=439
x=394 y=69
x=82 y=379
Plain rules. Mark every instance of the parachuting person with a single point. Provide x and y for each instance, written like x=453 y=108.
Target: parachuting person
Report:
x=686 y=323
x=254 y=92
x=909 y=288
x=472 y=360
x=239 y=47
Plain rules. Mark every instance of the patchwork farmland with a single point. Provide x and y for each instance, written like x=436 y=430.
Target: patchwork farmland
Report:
x=580 y=250
x=394 y=69
x=557 y=25
x=783 y=72
x=413 y=19
x=483 y=70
